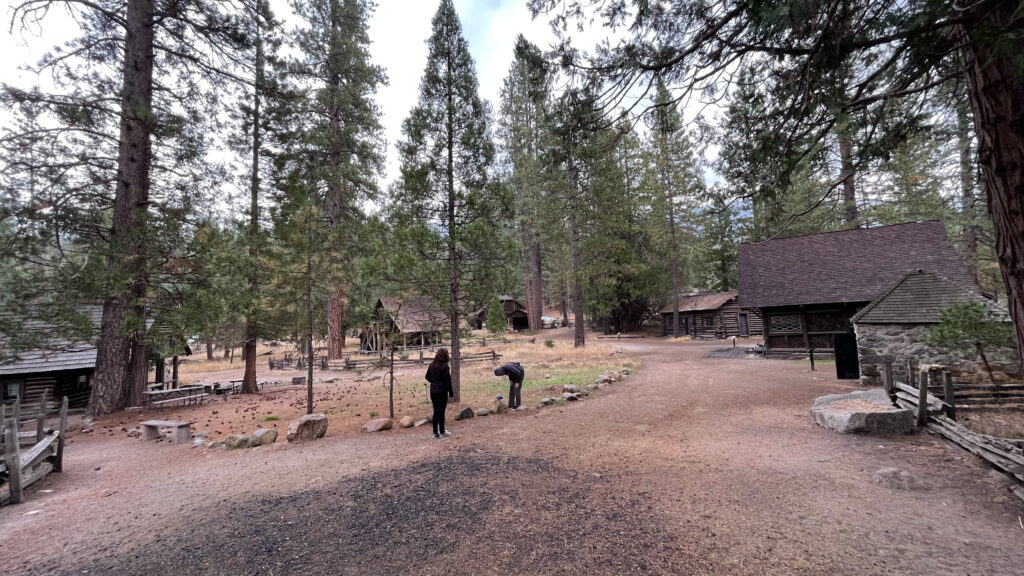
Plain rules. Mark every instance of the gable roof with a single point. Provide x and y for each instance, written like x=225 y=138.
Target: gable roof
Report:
x=56 y=354
x=701 y=302
x=415 y=314
x=847 y=266
x=918 y=298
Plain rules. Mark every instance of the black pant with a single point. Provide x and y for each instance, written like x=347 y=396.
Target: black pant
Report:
x=513 y=395
x=440 y=402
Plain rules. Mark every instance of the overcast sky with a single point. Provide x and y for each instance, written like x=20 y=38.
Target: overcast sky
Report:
x=398 y=29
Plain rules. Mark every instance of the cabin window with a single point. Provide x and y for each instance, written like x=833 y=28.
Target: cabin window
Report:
x=12 y=389
x=707 y=321
x=784 y=323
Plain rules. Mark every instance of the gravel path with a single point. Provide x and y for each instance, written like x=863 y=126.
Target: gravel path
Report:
x=689 y=466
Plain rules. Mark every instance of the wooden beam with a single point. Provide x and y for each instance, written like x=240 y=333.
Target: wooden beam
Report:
x=13 y=460
x=922 y=400
x=58 y=462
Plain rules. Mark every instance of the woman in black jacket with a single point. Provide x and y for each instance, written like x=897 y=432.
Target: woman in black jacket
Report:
x=440 y=377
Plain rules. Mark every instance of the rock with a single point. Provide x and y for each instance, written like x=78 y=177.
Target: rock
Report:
x=500 y=407
x=198 y=442
x=330 y=381
x=899 y=479
x=570 y=388
x=625 y=371
x=613 y=375
x=585 y=392
x=215 y=445
x=263 y=437
x=309 y=427
x=521 y=408
x=464 y=414
x=547 y=376
x=406 y=422
x=236 y=441
x=483 y=412
x=578 y=395
x=419 y=423
x=546 y=401
x=377 y=424
x=591 y=387
x=602 y=379
x=569 y=396
x=840 y=412
x=134 y=433
x=430 y=418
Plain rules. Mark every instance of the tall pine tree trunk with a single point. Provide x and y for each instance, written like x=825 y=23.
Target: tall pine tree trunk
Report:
x=538 y=280
x=453 y=272
x=850 y=213
x=135 y=384
x=579 y=336
x=252 y=333
x=997 y=103
x=127 y=234
x=968 y=198
x=337 y=306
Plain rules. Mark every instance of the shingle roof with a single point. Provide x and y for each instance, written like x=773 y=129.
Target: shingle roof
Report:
x=700 y=302
x=416 y=314
x=848 y=266
x=918 y=298
x=57 y=354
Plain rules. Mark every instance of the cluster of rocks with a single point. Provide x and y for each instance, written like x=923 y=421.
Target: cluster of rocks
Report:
x=309 y=427
x=572 y=392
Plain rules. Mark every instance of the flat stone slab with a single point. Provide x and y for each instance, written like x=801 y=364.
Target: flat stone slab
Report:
x=862 y=412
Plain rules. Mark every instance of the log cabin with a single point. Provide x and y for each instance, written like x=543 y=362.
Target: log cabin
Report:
x=711 y=315
x=807 y=288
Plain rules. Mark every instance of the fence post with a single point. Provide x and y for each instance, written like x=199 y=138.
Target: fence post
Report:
x=887 y=380
x=13 y=460
x=910 y=372
x=41 y=416
x=947 y=389
x=922 y=400
x=494 y=357
x=811 y=352
x=58 y=464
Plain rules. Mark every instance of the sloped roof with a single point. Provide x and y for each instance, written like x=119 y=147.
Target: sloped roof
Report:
x=56 y=354
x=415 y=314
x=849 y=266
x=918 y=298
x=701 y=302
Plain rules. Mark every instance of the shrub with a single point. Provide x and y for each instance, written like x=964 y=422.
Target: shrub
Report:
x=549 y=343
x=496 y=317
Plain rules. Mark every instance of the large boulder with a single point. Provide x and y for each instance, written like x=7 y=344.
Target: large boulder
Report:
x=263 y=436
x=464 y=414
x=377 y=424
x=862 y=412
x=309 y=427
x=236 y=441
x=406 y=422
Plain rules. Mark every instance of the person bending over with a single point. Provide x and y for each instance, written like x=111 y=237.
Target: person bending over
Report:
x=440 y=377
x=516 y=374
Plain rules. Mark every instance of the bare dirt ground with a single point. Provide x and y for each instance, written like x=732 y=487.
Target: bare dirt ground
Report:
x=689 y=466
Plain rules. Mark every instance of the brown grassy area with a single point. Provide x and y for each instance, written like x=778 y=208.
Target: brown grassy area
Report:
x=1002 y=423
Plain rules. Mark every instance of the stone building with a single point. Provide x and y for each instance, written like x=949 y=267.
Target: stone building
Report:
x=892 y=329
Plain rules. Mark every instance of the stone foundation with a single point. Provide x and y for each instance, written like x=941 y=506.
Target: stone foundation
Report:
x=896 y=343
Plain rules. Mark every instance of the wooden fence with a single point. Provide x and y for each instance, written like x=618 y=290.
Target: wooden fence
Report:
x=362 y=359
x=942 y=398
x=349 y=364
x=18 y=469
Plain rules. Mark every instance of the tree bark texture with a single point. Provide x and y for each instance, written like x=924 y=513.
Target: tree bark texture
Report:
x=135 y=383
x=131 y=196
x=536 y=263
x=968 y=197
x=453 y=254
x=997 y=103
x=337 y=307
x=579 y=336
x=850 y=213
x=209 y=349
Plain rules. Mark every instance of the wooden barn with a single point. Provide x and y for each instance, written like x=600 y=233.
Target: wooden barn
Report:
x=61 y=369
x=711 y=315
x=411 y=321
x=516 y=316
x=808 y=287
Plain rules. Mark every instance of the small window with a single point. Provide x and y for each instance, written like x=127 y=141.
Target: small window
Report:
x=12 y=390
x=707 y=321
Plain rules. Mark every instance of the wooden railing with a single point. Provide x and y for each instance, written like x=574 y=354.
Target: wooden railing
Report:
x=18 y=469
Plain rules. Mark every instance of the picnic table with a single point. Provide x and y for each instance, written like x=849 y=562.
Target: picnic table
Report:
x=185 y=395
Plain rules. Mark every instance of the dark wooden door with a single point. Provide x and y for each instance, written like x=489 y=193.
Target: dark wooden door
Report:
x=744 y=329
x=847 y=365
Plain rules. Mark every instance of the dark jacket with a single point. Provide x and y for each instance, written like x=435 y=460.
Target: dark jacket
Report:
x=440 y=378
x=514 y=371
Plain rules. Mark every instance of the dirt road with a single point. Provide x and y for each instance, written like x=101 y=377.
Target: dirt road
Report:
x=689 y=466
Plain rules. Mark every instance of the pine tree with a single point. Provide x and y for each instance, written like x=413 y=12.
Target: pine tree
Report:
x=343 y=137
x=445 y=205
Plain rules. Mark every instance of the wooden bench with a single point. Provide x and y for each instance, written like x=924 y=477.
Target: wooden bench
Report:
x=182 y=430
x=197 y=398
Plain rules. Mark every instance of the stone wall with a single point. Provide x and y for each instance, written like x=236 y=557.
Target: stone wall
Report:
x=881 y=343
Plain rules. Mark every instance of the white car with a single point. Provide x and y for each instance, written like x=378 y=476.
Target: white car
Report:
x=548 y=322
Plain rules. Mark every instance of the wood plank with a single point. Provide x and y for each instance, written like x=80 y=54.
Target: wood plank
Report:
x=58 y=461
x=165 y=423
x=42 y=449
x=10 y=457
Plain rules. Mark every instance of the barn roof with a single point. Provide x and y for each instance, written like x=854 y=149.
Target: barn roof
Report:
x=415 y=314
x=848 y=266
x=56 y=354
x=701 y=302
x=918 y=298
